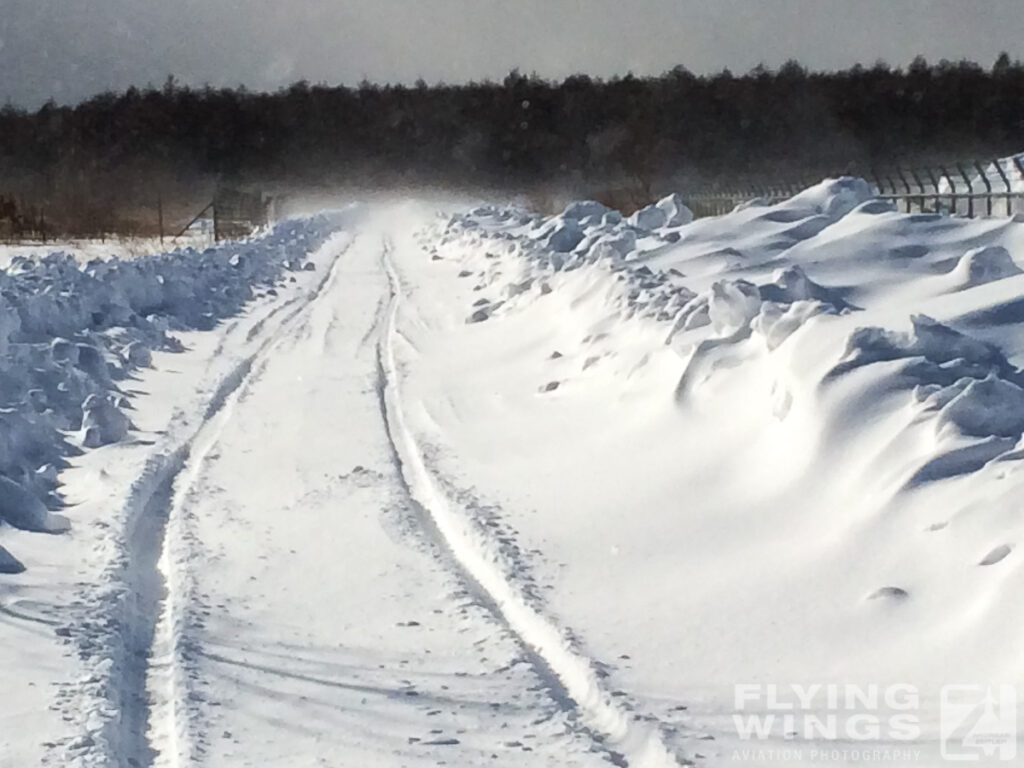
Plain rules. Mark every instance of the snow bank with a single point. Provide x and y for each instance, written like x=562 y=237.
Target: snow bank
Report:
x=762 y=273
x=71 y=332
x=829 y=444
x=928 y=341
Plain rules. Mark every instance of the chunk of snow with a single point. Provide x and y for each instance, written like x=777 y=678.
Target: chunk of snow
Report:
x=9 y=564
x=103 y=422
x=649 y=218
x=676 y=212
x=984 y=265
x=732 y=305
x=565 y=237
x=584 y=209
x=777 y=322
x=21 y=509
x=989 y=407
x=833 y=197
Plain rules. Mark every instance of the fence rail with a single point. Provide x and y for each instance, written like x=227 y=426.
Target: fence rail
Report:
x=972 y=189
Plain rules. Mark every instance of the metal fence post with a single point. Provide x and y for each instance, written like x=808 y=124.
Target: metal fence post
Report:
x=906 y=185
x=953 y=200
x=988 y=186
x=920 y=190
x=970 y=191
x=1020 y=166
x=935 y=186
x=1006 y=183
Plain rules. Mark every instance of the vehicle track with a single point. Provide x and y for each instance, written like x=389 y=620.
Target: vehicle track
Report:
x=570 y=675
x=142 y=612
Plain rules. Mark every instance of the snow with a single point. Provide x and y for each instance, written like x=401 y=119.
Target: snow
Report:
x=73 y=333
x=649 y=218
x=489 y=488
x=86 y=249
x=983 y=265
x=676 y=212
x=761 y=434
x=585 y=209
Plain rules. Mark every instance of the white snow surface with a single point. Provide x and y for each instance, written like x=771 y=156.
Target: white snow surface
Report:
x=86 y=249
x=489 y=488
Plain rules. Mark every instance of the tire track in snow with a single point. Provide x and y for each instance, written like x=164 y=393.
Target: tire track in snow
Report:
x=173 y=650
x=136 y=634
x=571 y=675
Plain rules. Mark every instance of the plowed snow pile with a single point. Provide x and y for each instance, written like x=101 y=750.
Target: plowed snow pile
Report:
x=72 y=333
x=780 y=446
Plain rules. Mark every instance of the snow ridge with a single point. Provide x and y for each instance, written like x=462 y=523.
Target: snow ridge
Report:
x=71 y=334
x=635 y=743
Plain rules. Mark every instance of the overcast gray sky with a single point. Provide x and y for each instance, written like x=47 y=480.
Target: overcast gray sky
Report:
x=70 y=49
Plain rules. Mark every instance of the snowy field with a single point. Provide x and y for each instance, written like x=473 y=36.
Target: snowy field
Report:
x=412 y=484
x=87 y=249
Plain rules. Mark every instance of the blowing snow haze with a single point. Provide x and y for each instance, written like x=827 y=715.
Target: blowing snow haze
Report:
x=68 y=51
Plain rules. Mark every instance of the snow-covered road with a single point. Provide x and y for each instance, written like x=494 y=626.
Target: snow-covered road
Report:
x=495 y=489
x=317 y=613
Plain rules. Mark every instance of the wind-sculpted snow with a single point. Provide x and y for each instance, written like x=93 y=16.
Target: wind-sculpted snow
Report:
x=969 y=387
x=764 y=272
x=71 y=334
x=984 y=265
x=806 y=417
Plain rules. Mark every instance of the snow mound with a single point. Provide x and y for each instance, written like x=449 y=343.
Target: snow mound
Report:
x=20 y=508
x=875 y=207
x=821 y=380
x=932 y=342
x=69 y=332
x=9 y=564
x=984 y=265
x=103 y=422
x=834 y=198
x=564 y=236
x=980 y=408
x=792 y=284
x=584 y=209
x=732 y=305
x=777 y=322
x=969 y=388
x=649 y=218
x=677 y=214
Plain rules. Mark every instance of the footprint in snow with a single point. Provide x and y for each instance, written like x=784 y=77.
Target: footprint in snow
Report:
x=996 y=555
x=890 y=593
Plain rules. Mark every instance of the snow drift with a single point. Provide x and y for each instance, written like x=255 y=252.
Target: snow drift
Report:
x=71 y=334
x=807 y=417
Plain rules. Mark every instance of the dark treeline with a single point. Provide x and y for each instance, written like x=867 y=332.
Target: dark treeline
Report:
x=113 y=153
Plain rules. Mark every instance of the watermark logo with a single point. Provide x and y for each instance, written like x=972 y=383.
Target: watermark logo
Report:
x=875 y=724
x=827 y=712
x=978 y=723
